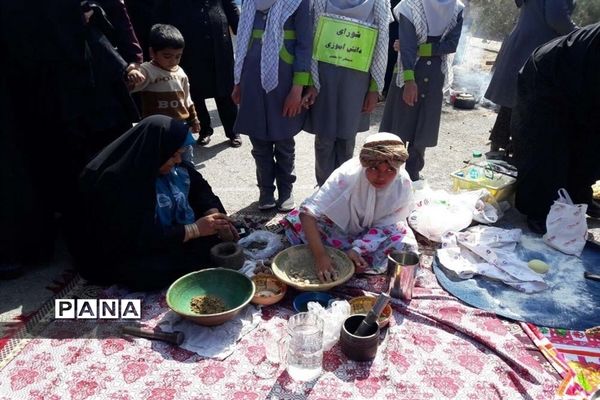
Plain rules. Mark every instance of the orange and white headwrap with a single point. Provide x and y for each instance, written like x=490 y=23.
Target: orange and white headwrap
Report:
x=383 y=147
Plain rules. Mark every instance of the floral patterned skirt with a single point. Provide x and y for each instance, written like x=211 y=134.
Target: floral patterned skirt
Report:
x=374 y=243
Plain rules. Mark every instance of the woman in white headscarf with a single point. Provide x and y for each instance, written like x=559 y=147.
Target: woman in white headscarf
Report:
x=361 y=209
x=429 y=31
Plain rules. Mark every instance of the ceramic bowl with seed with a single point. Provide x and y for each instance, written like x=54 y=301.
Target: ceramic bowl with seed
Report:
x=296 y=267
x=363 y=304
x=232 y=288
x=269 y=289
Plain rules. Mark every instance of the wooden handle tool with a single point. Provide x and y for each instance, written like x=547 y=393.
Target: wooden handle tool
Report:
x=170 y=337
x=591 y=277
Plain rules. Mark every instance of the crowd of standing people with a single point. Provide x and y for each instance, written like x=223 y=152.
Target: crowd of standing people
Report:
x=87 y=72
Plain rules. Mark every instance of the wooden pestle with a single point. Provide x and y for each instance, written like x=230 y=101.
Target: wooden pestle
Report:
x=170 y=337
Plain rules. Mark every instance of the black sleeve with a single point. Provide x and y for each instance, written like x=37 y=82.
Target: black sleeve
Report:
x=407 y=35
x=126 y=40
x=232 y=13
x=201 y=196
x=159 y=237
x=107 y=58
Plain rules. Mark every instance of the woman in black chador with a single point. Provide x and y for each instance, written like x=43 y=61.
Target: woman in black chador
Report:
x=146 y=217
x=556 y=124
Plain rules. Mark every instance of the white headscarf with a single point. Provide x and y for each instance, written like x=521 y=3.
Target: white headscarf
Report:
x=272 y=40
x=353 y=204
x=427 y=23
x=439 y=13
x=361 y=10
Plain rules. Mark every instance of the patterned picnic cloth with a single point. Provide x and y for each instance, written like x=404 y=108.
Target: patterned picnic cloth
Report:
x=435 y=348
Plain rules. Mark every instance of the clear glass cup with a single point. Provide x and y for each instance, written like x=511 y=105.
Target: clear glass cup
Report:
x=303 y=346
x=269 y=365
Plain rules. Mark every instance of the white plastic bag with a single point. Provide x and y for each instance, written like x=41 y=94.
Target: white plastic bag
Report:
x=261 y=245
x=438 y=211
x=566 y=225
x=333 y=318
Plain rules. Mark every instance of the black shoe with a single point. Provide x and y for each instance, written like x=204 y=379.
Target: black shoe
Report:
x=536 y=225
x=235 y=141
x=593 y=209
x=205 y=134
x=203 y=140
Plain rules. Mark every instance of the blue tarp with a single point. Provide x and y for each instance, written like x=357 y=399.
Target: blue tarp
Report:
x=571 y=301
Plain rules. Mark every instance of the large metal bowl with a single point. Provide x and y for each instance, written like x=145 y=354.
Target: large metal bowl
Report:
x=233 y=288
x=299 y=258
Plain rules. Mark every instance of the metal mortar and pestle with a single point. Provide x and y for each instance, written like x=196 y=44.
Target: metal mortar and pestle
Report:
x=359 y=337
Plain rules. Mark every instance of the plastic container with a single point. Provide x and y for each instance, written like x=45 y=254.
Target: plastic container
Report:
x=475 y=172
x=502 y=187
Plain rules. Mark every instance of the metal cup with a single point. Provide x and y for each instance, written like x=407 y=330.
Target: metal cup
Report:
x=402 y=271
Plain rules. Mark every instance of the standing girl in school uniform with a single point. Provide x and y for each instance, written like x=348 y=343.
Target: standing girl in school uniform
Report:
x=429 y=31
x=272 y=67
x=348 y=86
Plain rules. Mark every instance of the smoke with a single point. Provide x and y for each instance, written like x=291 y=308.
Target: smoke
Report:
x=474 y=58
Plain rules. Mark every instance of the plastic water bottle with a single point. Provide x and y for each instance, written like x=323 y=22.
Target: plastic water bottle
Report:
x=474 y=168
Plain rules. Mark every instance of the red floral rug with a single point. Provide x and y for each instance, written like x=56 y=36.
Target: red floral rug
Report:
x=436 y=348
x=22 y=325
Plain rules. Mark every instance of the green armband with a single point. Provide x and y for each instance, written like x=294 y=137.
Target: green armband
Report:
x=409 y=75
x=302 y=78
x=425 y=50
x=373 y=86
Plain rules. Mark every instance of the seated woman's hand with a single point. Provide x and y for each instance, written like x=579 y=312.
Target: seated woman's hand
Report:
x=229 y=233
x=357 y=259
x=212 y=224
x=324 y=267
